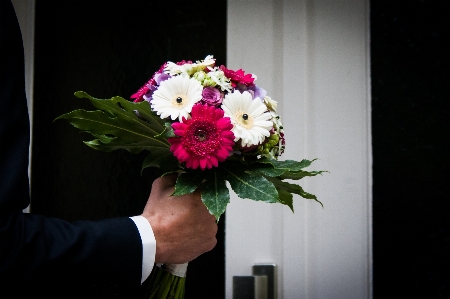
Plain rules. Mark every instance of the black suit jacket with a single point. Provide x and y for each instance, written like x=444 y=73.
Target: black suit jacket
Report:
x=41 y=255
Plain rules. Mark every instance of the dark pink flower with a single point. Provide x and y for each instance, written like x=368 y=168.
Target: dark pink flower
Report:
x=138 y=96
x=183 y=62
x=238 y=77
x=204 y=140
x=150 y=86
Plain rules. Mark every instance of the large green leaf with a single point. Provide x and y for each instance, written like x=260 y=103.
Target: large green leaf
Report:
x=265 y=169
x=288 y=169
x=292 y=188
x=297 y=175
x=215 y=193
x=287 y=165
x=140 y=109
x=119 y=124
x=252 y=186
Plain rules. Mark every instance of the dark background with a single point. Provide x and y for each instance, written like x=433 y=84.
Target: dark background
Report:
x=111 y=48
x=410 y=128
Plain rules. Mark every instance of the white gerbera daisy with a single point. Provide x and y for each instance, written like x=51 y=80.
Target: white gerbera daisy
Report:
x=251 y=122
x=176 y=96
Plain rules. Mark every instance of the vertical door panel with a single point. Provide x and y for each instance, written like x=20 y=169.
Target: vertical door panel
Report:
x=311 y=57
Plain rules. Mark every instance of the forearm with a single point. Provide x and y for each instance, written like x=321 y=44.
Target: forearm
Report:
x=33 y=245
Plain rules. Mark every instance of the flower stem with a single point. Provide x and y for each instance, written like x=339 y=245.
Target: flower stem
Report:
x=165 y=285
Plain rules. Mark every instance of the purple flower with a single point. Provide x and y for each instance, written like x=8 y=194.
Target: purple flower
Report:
x=258 y=92
x=254 y=90
x=211 y=96
x=158 y=78
x=148 y=95
x=161 y=77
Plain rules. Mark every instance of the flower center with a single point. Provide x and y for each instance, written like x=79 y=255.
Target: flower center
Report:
x=180 y=100
x=244 y=120
x=202 y=138
x=201 y=135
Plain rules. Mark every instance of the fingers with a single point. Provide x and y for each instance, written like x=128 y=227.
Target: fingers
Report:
x=182 y=225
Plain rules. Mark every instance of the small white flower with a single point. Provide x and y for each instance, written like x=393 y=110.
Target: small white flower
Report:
x=174 y=69
x=189 y=68
x=176 y=96
x=251 y=122
x=271 y=104
x=219 y=78
x=277 y=124
x=200 y=76
x=208 y=61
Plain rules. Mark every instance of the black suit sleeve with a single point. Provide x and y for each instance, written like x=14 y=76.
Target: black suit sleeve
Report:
x=37 y=250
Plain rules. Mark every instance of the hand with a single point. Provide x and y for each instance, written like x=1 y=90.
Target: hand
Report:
x=183 y=226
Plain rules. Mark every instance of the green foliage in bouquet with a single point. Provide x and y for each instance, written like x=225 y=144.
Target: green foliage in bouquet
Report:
x=133 y=126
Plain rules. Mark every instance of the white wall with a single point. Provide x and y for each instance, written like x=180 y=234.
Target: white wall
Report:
x=312 y=56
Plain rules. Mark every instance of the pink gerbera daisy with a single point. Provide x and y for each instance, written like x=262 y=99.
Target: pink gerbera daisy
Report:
x=205 y=139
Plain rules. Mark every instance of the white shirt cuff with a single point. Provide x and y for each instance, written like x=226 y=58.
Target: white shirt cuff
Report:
x=148 y=245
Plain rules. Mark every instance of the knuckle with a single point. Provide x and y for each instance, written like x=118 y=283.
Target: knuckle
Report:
x=212 y=243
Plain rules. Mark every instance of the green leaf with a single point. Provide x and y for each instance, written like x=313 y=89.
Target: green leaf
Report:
x=286 y=198
x=162 y=158
x=292 y=188
x=107 y=144
x=127 y=111
x=169 y=131
x=289 y=165
x=119 y=124
x=189 y=181
x=215 y=193
x=265 y=169
x=297 y=175
x=252 y=186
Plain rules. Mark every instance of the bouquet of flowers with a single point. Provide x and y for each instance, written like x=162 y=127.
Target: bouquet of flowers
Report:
x=209 y=124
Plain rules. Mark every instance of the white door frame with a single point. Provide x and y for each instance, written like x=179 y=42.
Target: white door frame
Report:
x=312 y=56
